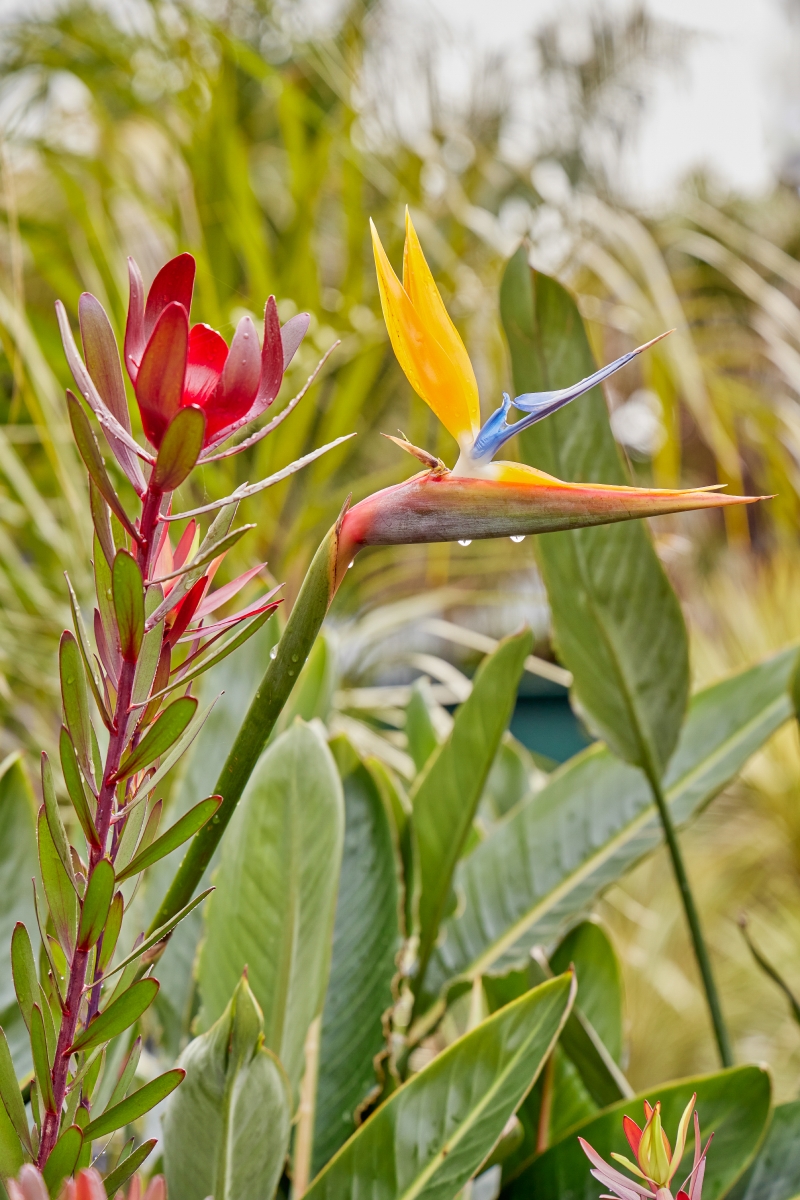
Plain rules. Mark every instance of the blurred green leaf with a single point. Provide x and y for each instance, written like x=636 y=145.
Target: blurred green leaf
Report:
x=617 y=623
x=774 y=1174
x=510 y=778
x=63 y=1159
x=117 y=1178
x=274 y=907
x=588 y=948
x=54 y=822
x=366 y=939
x=119 y=1016
x=11 y=1095
x=467 y=1095
x=420 y=731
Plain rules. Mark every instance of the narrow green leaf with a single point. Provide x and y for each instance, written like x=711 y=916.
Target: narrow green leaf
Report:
x=41 y=1064
x=117 y=1178
x=54 y=822
x=23 y=970
x=159 y=934
x=18 y=865
x=180 y=448
x=118 y=1017
x=774 y=1174
x=175 y=836
x=446 y=795
x=126 y=1075
x=45 y=938
x=101 y=522
x=75 y=700
x=105 y=596
x=149 y=784
x=75 y=786
x=62 y=899
x=93 y=460
x=11 y=1095
x=735 y=1104
x=166 y=730
x=275 y=903
x=86 y=654
x=150 y=653
x=11 y=1153
x=205 y=663
x=467 y=1094
x=127 y=589
x=63 y=1159
x=111 y=932
x=420 y=730
x=135 y=1105
x=96 y=904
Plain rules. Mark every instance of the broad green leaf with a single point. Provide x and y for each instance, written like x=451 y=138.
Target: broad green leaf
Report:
x=75 y=700
x=165 y=731
x=774 y=1174
x=11 y=1095
x=134 y=1106
x=96 y=904
x=76 y=788
x=180 y=448
x=446 y=795
x=118 y=1017
x=617 y=623
x=54 y=822
x=366 y=939
x=175 y=836
x=546 y=863
x=62 y=899
x=127 y=590
x=420 y=730
x=63 y=1159
x=274 y=906
x=588 y=948
x=117 y=1178
x=734 y=1104
x=41 y=1061
x=93 y=460
x=433 y=1133
x=510 y=779
x=226 y=1131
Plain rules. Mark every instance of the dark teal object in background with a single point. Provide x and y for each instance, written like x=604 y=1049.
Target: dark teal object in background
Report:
x=544 y=722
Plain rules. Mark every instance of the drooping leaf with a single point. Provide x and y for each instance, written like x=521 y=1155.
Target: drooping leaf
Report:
x=117 y=1178
x=166 y=730
x=96 y=903
x=63 y=1159
x=446 y=795
x=467 y=1095
x=774 y=1174
x=135 y=1105
x=592 y=822
x=76 y=788
x=128 y=592
x=119 y=1016
x=62 y=899
x=733 y=1103
x=175 y=836
x=274 y=906
x=75 y=700
x=617 y=623
x=180 y=448
x=366 y=939
x=226 y=1131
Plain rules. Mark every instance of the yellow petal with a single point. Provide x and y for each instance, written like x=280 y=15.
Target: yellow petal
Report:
x=428 y=368
x=424 y=295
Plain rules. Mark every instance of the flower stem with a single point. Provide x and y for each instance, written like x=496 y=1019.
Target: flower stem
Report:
x=693 y=920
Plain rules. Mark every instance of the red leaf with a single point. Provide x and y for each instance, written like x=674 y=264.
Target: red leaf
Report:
x=186 y=610
x=226 y=593
x=159 y=383
x=253 y=611
x=135 y=340
x=238 y=385
x=174 y=283
x=208 y=351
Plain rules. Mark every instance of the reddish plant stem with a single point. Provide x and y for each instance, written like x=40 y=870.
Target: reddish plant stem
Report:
x=105 y=808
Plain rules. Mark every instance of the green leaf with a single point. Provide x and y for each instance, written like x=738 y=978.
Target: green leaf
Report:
x=11 y=1153
x=420 y=730
x=18 y=865
x=93 y=460
x=366 y=939
x=159 y=934
x=135 y=1105
x=102 y=523
x=734 y=1104
x=175 y=836
x=41 y=1062
x=313 y=692
x=111 y=932
x=117 y=1178
x=86 y=654
x=433 y=1133
x=594 y=819
x=509 y=781
x=217 y=539
x=63 y=1159
x=160 y=736
x=226 y=1132
x=446 y=795
x=105 y=596
x=617 y=623
x=11 y=1095
x=127 y=589
x=62 y=899
x=274 y=907
x=23 y=969
x=54 y=822
x=150 y=652
x=96 y=904
x=118 y=1017
x=774 y=1174
x=180 y=448
x=75 y=700
x=76 y=789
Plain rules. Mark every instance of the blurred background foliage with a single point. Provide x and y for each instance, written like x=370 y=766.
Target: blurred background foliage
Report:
x=261 y=141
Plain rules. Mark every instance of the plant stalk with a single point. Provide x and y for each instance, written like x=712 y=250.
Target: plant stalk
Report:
x=693 y=920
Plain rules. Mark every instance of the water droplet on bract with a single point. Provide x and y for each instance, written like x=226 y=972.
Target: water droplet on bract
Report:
x=290 y=673
x=295 y=657
x=465 y=541
x=273 y=652
x=518 y=537
x=351 y=564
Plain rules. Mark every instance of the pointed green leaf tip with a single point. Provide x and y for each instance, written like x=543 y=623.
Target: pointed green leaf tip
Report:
x=158 y=739
x=175 y=836
x=128 y=592
x=118 y=1017
x=96 y=904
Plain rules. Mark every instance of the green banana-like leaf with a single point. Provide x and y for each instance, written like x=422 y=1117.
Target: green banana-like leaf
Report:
x=617 y=623
x=274 y=906
x=734 y=1104
x=366 y=939
x=774 y=1174
x=226 y=1131
x=444 y=798
x=594 y=819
